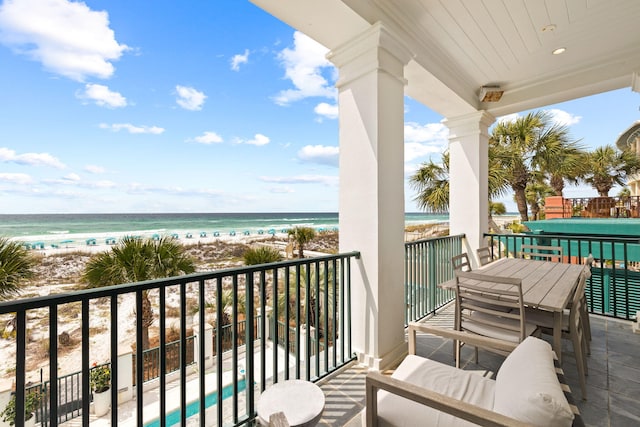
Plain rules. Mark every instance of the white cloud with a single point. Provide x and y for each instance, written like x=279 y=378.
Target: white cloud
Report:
x=557 y=116
x=302 y=179
x=16 y=178
x=258 y=140
x=303 y=66
x=327 y=110
x=433 y=133
x=207 y=138
x=424 y=140
x=322 y=154
x=414 y=150
x=94 y=169
x=30 y=159
x=190 y=98
x=563 y=118
x=116 y=127
x=102 y=184
x=102 y=96
x=72 y=177
x=508 y=118
x=67 y=37
x=281 y=190
x=239 y=59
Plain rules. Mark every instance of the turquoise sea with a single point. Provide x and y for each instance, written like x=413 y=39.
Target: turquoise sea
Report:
x=63 y=228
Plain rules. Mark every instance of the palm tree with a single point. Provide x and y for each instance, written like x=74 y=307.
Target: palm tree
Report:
x=528 y=144
x=302 y=236
x=431 y=181
x=135 y=260
x=608 y=167
x=16 y=265
x=560 y=159
x=536 y=193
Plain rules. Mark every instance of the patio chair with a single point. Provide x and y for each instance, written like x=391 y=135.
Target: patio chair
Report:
x=528 y=388
x=484 y=255
x=572 y=329
x=490 y=306
x=542 y=253
x=461 y=262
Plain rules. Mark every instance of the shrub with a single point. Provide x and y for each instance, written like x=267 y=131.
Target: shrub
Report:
x=261 y=255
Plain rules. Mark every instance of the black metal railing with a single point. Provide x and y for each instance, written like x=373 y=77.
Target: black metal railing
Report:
x=604 y=207
x=151 y=359
x=427 y=264
x=240 y=335
x=313 y=291
x=614 y=287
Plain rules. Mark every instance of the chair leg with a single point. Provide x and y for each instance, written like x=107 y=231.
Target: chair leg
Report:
x=577 y=339
x=457 y=345
x=476 y=355
x=584 y=313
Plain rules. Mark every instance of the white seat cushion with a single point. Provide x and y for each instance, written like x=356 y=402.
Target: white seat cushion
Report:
x=527 y=387
x=463 y=385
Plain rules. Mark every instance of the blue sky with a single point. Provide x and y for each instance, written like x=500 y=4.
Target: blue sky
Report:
x=200 y=106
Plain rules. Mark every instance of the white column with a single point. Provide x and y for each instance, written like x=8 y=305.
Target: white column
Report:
x=125 y=379
x=371 y=101
x=468 y=177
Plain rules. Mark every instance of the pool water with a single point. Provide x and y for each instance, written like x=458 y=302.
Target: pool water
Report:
x=193 y=408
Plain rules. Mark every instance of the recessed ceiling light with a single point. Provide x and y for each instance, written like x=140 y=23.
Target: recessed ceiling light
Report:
x=559 y=50
x=549 y=27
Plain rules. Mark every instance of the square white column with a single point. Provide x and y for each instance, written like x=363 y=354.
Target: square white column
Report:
x=371 y=102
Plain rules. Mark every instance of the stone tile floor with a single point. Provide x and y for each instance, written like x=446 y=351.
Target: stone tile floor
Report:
x=613 y=383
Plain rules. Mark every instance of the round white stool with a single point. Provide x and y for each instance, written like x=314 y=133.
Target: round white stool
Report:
x=302 y=402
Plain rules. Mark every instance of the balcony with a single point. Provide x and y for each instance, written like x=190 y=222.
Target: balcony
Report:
x=284 y=347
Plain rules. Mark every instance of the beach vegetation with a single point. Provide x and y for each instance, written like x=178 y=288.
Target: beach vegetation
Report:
x=301 y=236
x=135 y=260
x=607 y=167
x=16 y=266
x=497 y=208
x=262 y=255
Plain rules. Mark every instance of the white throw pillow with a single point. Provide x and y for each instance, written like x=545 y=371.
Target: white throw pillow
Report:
x=527 y=387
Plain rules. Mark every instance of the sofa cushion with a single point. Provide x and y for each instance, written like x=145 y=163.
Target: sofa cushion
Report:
x=527 y=387
x=464 y=385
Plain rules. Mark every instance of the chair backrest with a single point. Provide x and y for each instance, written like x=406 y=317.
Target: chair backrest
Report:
x=543 y=253
x=575 y=312
x=484 y=255
x=497 y=298
x=461 y=262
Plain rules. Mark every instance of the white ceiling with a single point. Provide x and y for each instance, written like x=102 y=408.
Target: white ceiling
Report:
x=460 y=45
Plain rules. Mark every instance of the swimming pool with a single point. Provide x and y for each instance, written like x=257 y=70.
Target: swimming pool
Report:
x=193 y=408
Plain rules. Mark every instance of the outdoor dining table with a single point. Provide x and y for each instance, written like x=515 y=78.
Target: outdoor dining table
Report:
x=546 y=286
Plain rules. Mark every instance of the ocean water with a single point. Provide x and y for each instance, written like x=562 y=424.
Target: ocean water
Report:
x=62 y=228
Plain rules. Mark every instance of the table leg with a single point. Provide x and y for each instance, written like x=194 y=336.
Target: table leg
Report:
x=557 y=334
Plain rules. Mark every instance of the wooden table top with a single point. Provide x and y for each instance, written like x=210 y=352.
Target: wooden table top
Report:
x=545 y=285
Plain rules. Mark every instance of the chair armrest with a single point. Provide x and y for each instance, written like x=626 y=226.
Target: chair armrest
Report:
x=471 y=339
x=376 y=381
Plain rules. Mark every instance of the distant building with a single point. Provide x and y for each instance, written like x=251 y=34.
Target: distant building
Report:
x=630 y=139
